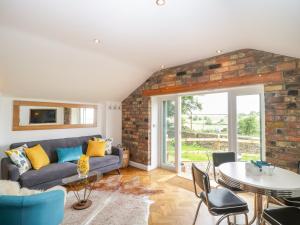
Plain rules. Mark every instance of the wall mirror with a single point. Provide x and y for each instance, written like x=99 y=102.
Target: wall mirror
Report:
x=29 y=115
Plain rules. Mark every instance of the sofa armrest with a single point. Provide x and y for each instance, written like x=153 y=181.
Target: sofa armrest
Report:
x=119 y=152
x=45 y=208
x=9 y=171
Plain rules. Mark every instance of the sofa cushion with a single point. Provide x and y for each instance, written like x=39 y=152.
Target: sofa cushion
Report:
x=18 y=157
x=96 y=148
x=50 y=172
x=98 y=162
x=68 y=154
x=37 y=156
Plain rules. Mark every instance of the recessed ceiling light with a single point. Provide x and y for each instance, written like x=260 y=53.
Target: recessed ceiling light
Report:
x=219 y=51
x=160 y=2
x=96 y=41
x=162 y=66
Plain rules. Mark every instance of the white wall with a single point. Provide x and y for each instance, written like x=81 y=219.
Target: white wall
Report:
x=109 y=124
x=154 y=133
x=113 y=121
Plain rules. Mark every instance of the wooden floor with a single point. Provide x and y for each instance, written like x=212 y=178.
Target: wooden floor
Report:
x=178 y=203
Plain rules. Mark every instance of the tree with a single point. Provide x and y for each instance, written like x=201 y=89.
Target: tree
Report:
x=188 y=105
x=248 y=125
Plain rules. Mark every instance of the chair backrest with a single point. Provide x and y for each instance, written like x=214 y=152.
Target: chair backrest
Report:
x=200 y=179
x=222 y=157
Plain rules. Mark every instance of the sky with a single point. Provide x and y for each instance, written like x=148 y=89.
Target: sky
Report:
x=217 y=103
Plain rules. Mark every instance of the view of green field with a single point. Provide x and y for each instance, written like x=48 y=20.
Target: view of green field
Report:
x=197 y=153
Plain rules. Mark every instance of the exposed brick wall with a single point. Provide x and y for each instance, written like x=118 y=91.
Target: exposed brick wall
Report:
x=282 y=101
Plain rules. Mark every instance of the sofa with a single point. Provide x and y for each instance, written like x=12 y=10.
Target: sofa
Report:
x=52 y=174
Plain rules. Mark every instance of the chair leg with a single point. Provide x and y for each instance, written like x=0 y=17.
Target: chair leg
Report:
x=228 y=221
x=263 y=221
x=222 y=218
x=268 y=201
x=246 y=218
x=197 y=212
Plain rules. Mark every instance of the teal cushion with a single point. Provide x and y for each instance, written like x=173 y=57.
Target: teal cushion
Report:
x=68 y=154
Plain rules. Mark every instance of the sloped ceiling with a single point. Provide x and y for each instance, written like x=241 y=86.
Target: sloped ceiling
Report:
x=47 y=49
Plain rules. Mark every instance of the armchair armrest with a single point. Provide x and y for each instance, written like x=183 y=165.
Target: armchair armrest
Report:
x=45 y=208
x=9 y=171
x=119 y=152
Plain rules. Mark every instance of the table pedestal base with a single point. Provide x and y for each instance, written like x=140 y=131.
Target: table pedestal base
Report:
x=82 y=204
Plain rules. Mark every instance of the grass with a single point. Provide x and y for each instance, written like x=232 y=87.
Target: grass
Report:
x=197 y=153
x=250 y=156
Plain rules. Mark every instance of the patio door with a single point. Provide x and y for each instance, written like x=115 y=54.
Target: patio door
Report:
x=193 y=125
x=168 y=131
x=248 y=124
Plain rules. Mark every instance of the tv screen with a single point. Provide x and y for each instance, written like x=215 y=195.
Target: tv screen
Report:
x=42 y=116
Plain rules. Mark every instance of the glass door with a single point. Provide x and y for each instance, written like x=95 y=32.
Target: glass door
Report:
x=204 y=129
x=249 y=135
x=168 y=133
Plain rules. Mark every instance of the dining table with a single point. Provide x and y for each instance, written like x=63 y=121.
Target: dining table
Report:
x=281 y=183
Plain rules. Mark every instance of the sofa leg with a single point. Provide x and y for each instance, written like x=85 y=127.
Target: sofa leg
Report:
x=119 y=171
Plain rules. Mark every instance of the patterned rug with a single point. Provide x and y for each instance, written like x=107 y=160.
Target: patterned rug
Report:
x=132 y=186
x=115 y=202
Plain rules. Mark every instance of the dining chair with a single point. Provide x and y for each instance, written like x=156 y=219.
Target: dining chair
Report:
x=285 y=201
x=218 y=159
x=219 y=201
x=281 y=216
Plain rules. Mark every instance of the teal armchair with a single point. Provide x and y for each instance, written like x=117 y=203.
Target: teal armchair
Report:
x=46 y=208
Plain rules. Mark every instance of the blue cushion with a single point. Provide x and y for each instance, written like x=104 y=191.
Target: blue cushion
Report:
x=68 y=154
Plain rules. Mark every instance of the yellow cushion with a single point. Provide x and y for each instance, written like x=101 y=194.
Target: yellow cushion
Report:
x=96 y=148
x=37 y=157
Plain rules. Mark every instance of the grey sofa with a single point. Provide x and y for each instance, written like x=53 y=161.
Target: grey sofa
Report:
x=53 y=174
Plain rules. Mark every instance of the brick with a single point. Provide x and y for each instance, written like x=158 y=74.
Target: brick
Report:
x=293 y=92
x=286 y=66
x=216 y=77
x=229 y=63
x=270 y=88
x=245 y=60
x=279 y=124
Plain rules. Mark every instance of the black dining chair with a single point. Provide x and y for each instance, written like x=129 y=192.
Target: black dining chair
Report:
x=282 y=216
x=218 y=159
x=220 y=202
x=285 y=201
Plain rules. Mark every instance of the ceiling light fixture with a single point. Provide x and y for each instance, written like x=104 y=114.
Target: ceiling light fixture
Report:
x=96 y=41
x=219 y=51
x=160 y=2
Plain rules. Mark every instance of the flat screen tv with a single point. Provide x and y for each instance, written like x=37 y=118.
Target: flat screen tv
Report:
x=42 y=116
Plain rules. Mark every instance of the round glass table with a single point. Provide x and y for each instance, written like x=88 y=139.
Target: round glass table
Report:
x=282 y=183
x=76 y=184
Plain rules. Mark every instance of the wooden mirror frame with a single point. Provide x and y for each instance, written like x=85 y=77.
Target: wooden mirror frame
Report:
x=16 y=116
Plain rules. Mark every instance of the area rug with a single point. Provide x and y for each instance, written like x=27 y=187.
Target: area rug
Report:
x=115 y=202
x=109 y=208
x=132 y=186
